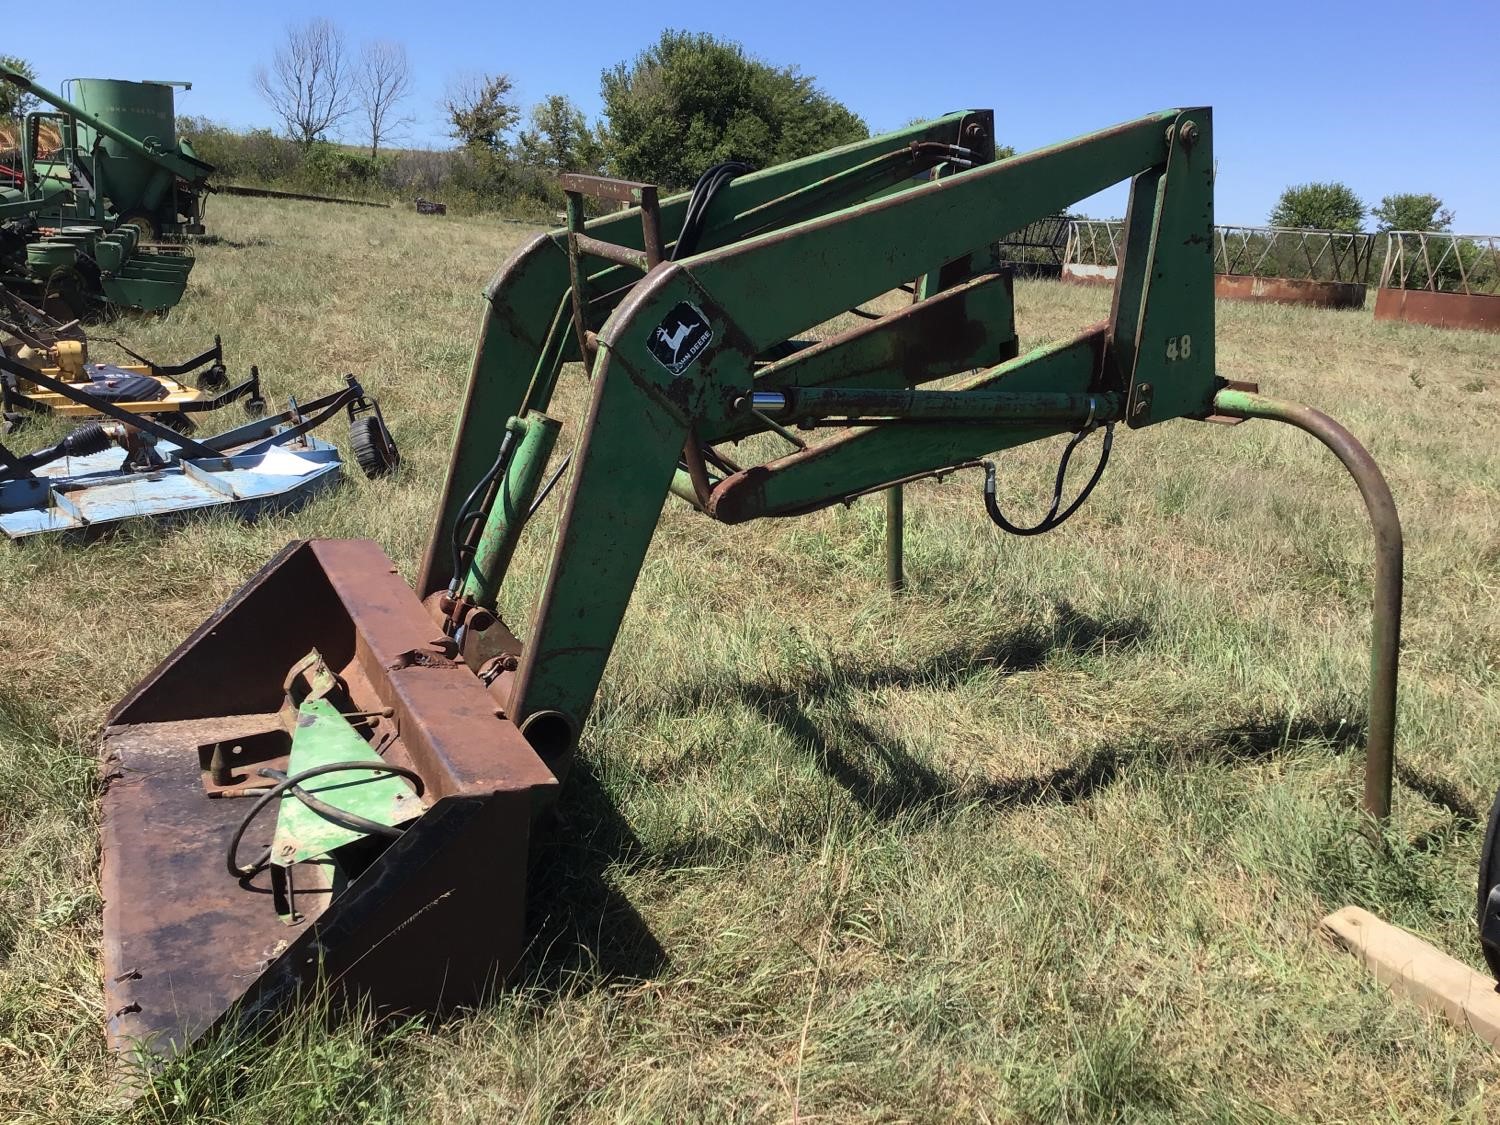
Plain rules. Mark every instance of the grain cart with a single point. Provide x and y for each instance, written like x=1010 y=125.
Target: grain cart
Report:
x=100 y=180
x=334 y=780
x=118 y=157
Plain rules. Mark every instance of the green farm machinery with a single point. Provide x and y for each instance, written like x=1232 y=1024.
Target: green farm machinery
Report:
x=91 y=188
x=393 y=749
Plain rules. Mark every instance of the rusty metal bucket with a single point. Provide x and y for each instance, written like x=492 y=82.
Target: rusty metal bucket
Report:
x=423 y=921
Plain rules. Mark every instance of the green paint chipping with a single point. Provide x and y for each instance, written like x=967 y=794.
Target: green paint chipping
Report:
x=324 y=736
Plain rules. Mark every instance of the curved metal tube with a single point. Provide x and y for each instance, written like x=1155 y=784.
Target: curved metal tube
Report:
x=1385 y=639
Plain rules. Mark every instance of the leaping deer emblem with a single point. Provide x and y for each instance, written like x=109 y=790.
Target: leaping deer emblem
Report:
x=674 y=339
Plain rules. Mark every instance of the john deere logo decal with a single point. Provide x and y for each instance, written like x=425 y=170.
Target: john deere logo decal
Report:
x=681 y=337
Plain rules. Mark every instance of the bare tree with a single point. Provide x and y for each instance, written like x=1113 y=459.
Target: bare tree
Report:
x=308 y=80
x=383 y=80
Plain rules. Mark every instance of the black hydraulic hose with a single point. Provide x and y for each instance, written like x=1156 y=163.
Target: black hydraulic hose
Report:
x=1051 y=519
x=704 y=190
x=341 y=817
x=467 y=512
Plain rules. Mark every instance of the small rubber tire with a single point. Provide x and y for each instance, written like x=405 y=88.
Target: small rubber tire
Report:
x=255 y=406
x=374 y=448
x=144 y=222
x=216 y=378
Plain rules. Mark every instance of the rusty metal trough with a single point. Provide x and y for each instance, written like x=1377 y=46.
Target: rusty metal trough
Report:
x=1477 y=311
x=437 y=913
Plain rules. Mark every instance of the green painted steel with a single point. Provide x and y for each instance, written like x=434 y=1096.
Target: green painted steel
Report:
x=969 y=325
x=527 y=332
x=622 y=469
x=144 y=112
x=866 y=458
x=789 y=249
x=507 y=517
x=750 y=294
x=786 y=250
x=323 y=737
x=972 y=405
x=51 y=254
x=109 y=254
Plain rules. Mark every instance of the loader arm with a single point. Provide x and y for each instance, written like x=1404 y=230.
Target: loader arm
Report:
x=1151 y=361
x=526 y=333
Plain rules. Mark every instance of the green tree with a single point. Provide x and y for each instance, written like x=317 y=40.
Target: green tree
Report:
x=1330 y=206
x=15 y=102
x=481 y=112
x=1406 y=210
x=559 y=139
x=692 y=100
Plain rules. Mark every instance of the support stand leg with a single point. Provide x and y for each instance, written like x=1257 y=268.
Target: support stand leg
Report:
x=1385 y=640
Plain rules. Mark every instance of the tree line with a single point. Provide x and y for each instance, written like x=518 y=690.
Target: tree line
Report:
x=687 y=101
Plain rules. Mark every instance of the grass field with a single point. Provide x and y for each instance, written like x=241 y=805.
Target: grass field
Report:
x=1047 y=838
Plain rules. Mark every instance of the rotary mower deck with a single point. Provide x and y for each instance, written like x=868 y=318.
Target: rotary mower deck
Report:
x=133 y=467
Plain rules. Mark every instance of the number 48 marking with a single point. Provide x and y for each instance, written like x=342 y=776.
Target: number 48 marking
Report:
x=1179 y=347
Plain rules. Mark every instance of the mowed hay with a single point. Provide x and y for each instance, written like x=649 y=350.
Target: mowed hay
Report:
x=1046 y=838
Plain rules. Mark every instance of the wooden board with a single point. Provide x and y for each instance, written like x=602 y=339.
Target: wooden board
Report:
x=1408 y=964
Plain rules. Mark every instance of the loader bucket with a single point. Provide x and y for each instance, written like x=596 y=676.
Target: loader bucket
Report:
x=422 y=918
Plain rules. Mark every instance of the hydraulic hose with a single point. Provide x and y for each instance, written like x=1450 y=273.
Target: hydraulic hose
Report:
x=341 y=817
x=1051 y=519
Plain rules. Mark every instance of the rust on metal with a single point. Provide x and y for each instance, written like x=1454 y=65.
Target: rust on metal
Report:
x=1242 y=287
x=630 y=193
x=1290 y=291
x=1290 y=266
x=606 y=187
x=611 y=252
x=185 y=945
x=1478 y=311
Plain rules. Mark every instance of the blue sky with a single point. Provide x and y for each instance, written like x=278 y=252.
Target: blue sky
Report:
x=1385 y=96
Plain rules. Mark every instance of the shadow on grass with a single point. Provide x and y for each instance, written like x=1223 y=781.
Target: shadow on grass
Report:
x=887 y=781
x=581 y=927
x=1021 y=650
x=900 y=785
x=1441 y=792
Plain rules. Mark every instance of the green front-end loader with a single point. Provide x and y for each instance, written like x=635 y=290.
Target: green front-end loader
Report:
x=334 y=781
